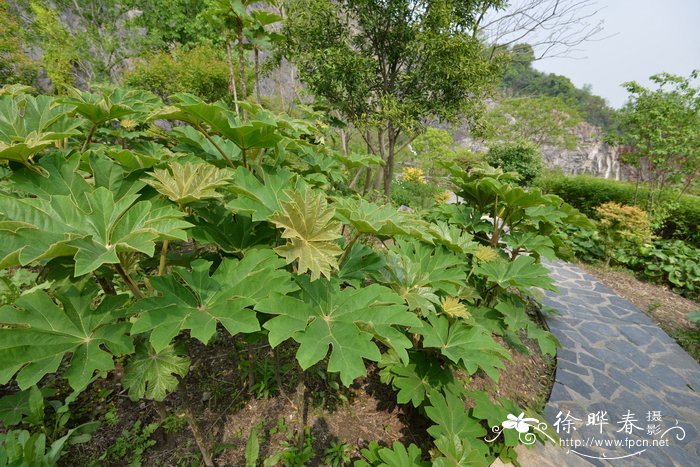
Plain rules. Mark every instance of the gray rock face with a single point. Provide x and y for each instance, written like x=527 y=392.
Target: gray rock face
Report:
x=592 y=156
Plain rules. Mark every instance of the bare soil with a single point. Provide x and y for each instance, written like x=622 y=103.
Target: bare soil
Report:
x=216 y=397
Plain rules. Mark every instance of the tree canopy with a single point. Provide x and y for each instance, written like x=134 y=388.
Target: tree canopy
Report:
x=391 y=64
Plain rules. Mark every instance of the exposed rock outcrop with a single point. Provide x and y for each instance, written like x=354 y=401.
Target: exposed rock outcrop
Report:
x=592 y=156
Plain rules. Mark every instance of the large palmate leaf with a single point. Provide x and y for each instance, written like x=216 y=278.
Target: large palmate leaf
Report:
x=414 y=381
x=418 y=272
x=447 y=410
x=92 y=231
x=110 y=104
x=258 y=131
x=452 y=237
x=310 y=231
x=198 y=301
x=36 y=334
x=232 y=233
x=260 y=199
x=26 y=406
x=30 y=124
x=396 y=456
x=209 y=148
x=187 y=183
x=347 y=320
x=151 y=374
x=472 y=346
x=382 y=221
x=458 y=452
x=522 y=273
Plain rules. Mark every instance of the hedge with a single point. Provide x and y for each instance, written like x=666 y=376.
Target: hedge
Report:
x=586 y=192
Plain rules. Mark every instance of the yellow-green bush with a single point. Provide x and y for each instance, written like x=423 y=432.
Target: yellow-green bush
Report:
x=620 y=225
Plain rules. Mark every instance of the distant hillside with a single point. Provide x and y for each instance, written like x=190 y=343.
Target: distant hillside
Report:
x=521 y=79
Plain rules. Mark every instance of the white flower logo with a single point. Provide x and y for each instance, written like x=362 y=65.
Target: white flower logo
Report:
x=522 y=425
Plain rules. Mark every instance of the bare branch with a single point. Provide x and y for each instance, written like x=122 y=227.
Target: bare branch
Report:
x=551 y=27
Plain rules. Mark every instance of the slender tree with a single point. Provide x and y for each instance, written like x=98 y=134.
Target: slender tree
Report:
x=389 y=66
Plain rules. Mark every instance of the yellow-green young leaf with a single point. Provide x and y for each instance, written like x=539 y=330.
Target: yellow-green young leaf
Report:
x=453 y=308
x=310 y=230
x=186 y=183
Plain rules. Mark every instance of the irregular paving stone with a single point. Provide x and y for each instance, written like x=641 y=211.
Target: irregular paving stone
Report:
x=630 y=365
x=588 y=360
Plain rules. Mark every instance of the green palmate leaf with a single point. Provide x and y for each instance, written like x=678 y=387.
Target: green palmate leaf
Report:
x=347 y=320
x=208 y=148
x=151 y=374
x=418 y=272
x=27 y=405
x=198 y=301
x=260 y=199
x=61 y=175
x=359 y=263
x=35 y=335
x=310 y=231
x=472 y=346
x=187 y=183
x=457 y=452
x=259 y=131
x=496 y=412
x=232 y=233
x=415 y=380
x=382 y=221
x=110 y=104
x=454 y=238
x=451 y=417
x=93 y=231
x=539 y=245
x=547 y=341
x=141 y=156
x=522 y=273
x=396 y=456
x=30 y=124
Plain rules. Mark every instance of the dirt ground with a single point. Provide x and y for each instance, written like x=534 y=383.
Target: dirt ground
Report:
x=215 y=397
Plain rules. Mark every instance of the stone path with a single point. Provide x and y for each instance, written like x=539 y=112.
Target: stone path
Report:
x=614 y=359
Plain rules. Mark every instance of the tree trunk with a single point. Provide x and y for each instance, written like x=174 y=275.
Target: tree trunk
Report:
x=389 y=161
x=241 y=61
x=231 y=75
x=256 y=53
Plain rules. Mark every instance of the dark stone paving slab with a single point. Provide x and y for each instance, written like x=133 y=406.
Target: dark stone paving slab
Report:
x=617 y=363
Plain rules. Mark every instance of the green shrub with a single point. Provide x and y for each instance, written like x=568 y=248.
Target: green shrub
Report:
x=681 y=218
x=523 y=158
x=201 y=71
x=673 y=263
x=413 y=190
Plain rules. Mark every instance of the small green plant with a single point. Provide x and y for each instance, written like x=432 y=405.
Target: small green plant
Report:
x=294 y=452
x=337 y=454
x=694 y=317
x=111 y=416
x=174 y=423
x=131 y=444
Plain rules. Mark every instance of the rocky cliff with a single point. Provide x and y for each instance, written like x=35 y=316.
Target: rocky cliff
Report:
x=592 y=156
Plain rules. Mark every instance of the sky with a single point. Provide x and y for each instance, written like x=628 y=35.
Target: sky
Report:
x=645 y=37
